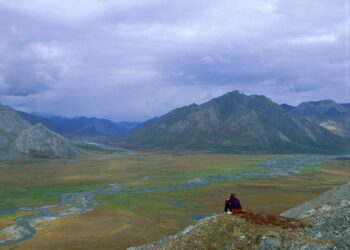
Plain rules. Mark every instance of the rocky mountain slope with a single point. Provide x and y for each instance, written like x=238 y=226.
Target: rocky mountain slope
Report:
x=235 y=122
x=39 y=141
x=18 y=137
x=323 y=223
x=11 y=125
x=327 y=113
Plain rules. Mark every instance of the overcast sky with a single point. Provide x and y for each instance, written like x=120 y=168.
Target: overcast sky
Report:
x=135 y=59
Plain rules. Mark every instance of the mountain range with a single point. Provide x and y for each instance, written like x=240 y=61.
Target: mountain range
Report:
x=233 y=123
x=81 y=126
x=327 y=113
x=238 y=123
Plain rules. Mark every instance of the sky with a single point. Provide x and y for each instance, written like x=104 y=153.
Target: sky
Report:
x=133 y=60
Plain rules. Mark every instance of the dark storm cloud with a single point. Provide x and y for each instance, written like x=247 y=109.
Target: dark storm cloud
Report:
x=136 y=59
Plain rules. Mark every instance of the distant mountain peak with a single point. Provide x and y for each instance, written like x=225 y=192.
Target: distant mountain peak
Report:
x=287 y=107
x=326 y=113
x=318 y=107
x=234 y=122
x=82 y=127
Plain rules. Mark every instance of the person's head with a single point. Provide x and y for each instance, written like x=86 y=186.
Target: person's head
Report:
x=232 y=195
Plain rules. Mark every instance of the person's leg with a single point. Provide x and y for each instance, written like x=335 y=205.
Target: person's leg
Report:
x=227 y=206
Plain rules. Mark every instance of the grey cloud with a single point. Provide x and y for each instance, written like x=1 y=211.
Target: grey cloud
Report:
x=23 y=80
x=24 y=72
x=137 y=59
x=27 y=66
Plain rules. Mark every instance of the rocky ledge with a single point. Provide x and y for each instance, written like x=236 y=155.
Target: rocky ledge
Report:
x=323 y=223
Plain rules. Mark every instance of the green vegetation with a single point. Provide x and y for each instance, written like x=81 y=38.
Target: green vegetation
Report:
x=41 y=182
x=9 y=219
x=315 y=168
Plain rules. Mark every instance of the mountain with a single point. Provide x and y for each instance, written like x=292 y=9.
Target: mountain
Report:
x=18 y=137
x=287 y=107
x=128 y=126
x=11 y=125
x=42 y=142
x=84 y=126
x=81 y=126
x=235 y=122
x=327 y=113
x=318 y=224
x=34 y=119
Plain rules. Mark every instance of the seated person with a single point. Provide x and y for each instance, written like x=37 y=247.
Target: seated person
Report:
x=232 y=204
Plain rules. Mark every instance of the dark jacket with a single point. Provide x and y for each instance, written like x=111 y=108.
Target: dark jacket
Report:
x=235 y=204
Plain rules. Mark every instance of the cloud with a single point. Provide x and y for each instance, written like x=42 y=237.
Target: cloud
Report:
x=133 y=59
x=27 y=66
x=328 y=38
x=26 y=79
x=25 y=73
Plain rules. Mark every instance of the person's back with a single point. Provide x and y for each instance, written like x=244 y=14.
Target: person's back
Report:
x=235 y=204
x=232 y=204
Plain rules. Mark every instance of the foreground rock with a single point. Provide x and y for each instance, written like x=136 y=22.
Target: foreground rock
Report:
x=39 y=141
x=323 y=223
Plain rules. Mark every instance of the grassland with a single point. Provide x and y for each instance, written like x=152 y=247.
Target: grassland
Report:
x=41 y=182
x=136 y=218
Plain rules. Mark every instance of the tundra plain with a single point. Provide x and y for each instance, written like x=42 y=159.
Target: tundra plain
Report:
x=142 y=215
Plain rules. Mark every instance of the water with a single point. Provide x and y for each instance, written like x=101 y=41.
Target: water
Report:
x=76 y=203
x=115 y=150
x=198 y=216
x=178 y=203
x=70 y=204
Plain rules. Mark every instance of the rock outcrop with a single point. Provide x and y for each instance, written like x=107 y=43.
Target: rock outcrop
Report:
x=323 y=223
x=41 y=142
x=11 y=125
x=18 y=137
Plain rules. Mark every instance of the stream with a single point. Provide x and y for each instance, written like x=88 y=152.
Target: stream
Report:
x=75 y=203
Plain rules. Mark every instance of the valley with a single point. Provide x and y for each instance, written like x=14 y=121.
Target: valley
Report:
x=121 y=198
x=148 y=125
